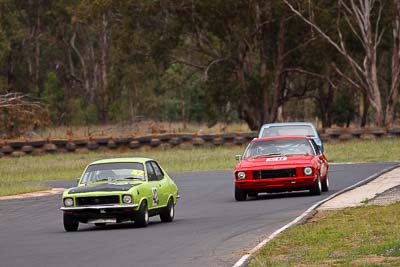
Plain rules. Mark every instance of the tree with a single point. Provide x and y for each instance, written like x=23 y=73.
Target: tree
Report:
x=363 y=18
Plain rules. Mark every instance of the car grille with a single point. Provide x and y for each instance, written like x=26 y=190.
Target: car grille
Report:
x=86 y=201
x=270 y=174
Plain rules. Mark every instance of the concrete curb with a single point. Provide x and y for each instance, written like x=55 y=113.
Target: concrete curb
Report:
x=53 y=191
x=245 y=259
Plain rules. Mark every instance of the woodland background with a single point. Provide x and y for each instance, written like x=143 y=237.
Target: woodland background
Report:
x=92 y=62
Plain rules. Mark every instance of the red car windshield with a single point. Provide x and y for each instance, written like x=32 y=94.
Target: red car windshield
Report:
x=287 y=146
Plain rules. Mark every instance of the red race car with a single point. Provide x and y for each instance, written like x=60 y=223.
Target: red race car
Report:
x=281 y=164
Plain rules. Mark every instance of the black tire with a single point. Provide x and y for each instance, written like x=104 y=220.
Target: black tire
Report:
x=142 y=216
x=167 y=215
x=100 y=224
x=325 y=184
x=71 y=224
x=240 y=195
x=316 y=188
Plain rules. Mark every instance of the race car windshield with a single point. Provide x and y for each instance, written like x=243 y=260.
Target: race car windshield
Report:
x=295 y=146
x=288 y=130
x=114 y=171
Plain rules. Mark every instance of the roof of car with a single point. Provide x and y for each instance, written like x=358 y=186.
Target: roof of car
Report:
x=115 y=160
x=288 y=123
x=281 y=137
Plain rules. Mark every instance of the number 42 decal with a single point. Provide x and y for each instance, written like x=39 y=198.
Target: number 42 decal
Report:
x=155 y=195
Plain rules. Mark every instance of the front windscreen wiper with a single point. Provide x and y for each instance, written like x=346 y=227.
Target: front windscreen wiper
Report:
x=266 y=155
x=131 y=178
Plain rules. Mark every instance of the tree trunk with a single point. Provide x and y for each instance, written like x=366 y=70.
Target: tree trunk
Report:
x=37 y=47
x=364 y=112
x=393 y=94
x=103 y=66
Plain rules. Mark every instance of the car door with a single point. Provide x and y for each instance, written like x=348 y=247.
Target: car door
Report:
x=163 y=189
x=322 y=160
x=154 y=186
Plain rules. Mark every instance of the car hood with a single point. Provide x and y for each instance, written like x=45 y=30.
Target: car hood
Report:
x=276 y=161
x=101 y=188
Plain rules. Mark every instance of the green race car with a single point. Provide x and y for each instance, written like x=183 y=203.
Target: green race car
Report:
x=119 y=190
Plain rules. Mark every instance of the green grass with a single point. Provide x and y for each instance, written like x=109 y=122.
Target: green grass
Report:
x=19 y=188
x=363 y=236
x=385 y=149
x=71 y=165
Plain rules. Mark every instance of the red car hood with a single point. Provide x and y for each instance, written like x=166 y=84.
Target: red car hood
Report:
x=276 y=162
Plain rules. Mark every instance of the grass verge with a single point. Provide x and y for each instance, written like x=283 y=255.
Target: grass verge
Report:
x=20 y=188
x=70 y=166
x=363 y=236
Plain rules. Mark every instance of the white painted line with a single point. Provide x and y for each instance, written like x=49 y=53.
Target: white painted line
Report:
x=243 y=261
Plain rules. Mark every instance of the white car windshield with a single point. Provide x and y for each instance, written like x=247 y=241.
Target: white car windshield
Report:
x=114 y=171
x=287 y=146
x=305 y=130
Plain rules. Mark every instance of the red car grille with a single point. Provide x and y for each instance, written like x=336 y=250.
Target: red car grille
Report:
x=270 y=174
x=85 y=201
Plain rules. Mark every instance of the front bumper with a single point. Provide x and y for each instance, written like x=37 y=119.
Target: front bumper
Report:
x=99 y=207
x=102 y=213
x=276 y=184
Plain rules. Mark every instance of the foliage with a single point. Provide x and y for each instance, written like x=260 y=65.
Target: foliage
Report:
x=208 y=61
x=18 y=113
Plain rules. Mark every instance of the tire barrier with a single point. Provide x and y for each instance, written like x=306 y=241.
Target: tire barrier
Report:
x=37 y=143
x=197 y=141
x=207 y=137
x=155 y=142
x=18 y=148
x=6 y=149
x=80 y=142
x=92 y=145
x=17 y=144
x=122 y=140
x=27 y=149
x=59 y=142
x=71 y=147
x=144 y=139
x=134 y=144
x=50 y=148
x=218 y=141
x=112 y=144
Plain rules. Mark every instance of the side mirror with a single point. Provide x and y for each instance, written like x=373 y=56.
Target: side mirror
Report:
x=238 y=157
x=77 y=180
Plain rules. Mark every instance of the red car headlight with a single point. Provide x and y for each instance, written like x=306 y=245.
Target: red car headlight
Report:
x=241 y=175
x=308 y=171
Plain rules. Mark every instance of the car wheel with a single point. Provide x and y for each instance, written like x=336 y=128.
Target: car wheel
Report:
x=316 y=188
x=142 y=216
x=325 y=184
x=240 y=195
x=70 y=223
x=100 y=224
x=167 y=215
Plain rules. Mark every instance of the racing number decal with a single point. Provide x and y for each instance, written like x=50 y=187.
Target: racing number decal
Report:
x=155 y=195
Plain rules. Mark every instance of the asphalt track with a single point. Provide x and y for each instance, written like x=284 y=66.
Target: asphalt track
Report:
x=210 y=227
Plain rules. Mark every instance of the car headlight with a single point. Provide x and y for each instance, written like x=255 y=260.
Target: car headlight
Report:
x=308 y=171
x=241 y=175
x=68 y=202
x=127 y=199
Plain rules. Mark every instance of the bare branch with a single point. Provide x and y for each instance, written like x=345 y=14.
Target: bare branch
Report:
x=16 y=99
x=326 y=37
